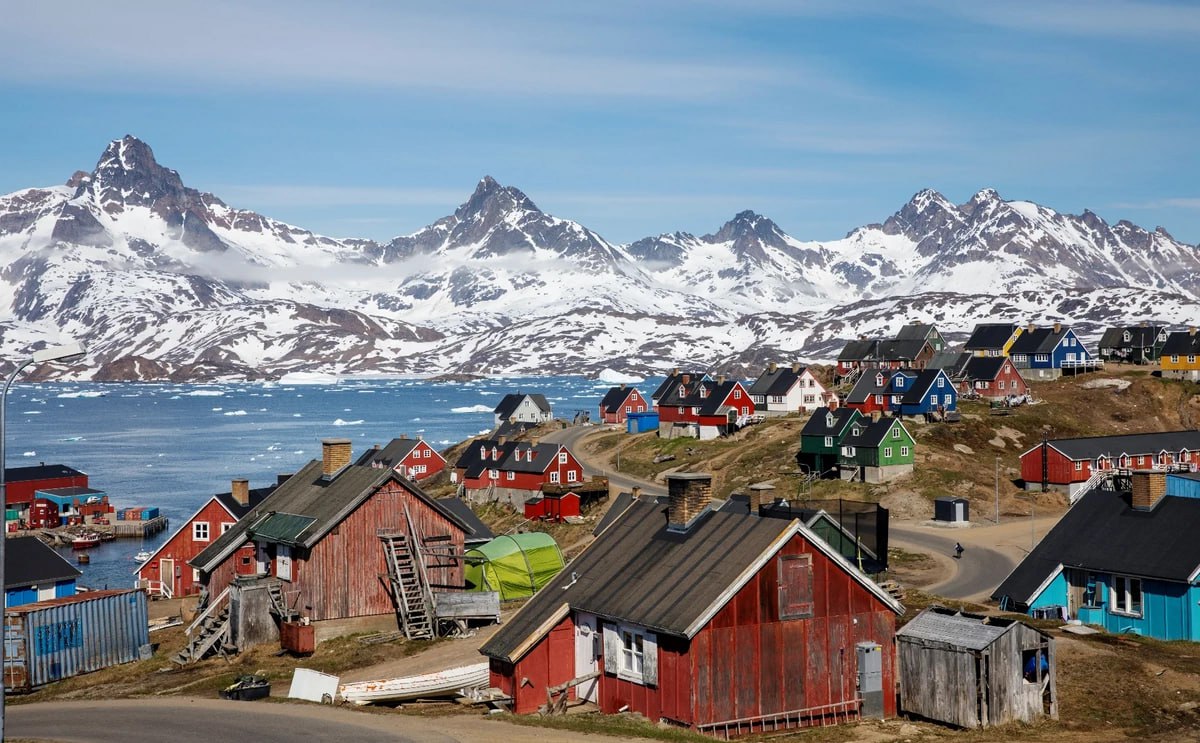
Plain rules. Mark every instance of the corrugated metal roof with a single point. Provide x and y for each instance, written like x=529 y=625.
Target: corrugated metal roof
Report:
x=952 y=629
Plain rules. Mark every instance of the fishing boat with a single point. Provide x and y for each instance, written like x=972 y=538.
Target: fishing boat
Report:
x=449 y=683
x=85 y=540
x=142 y=555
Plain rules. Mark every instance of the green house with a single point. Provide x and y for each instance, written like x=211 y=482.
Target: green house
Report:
x=821 y=439
x=876 y=450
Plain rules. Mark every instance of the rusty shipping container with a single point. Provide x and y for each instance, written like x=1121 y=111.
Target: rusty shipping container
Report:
x=60 y=638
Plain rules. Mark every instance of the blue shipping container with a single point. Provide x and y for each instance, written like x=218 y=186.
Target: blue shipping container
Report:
x=641 y=422
x=51 y=640
x=149 y=513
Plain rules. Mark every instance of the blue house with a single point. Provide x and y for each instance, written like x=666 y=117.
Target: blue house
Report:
x=1045 y=353
x=35 y=572
x=931 y=392
x=1125 y=560
x=881 y=389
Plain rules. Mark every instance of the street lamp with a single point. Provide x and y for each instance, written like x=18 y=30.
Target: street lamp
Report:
x=69 y=352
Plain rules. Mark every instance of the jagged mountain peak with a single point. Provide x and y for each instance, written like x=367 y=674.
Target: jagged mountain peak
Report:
x=749 y=225
x=491 y=200
x=928 y=214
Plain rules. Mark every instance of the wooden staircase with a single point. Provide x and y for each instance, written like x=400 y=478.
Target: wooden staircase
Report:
x=410 y=585
x=279 y=604
x=210 y=632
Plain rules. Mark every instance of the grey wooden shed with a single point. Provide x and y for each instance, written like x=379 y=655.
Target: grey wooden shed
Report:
x=972 y=670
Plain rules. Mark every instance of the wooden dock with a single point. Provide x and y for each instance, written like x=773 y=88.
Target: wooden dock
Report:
x=135 y=529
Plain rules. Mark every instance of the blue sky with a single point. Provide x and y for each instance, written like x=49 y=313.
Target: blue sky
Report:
x=373 y=119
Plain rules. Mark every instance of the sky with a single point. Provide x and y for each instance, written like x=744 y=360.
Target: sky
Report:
x=375 y=118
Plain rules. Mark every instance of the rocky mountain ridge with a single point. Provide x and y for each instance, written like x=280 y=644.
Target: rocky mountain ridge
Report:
x=162 y=281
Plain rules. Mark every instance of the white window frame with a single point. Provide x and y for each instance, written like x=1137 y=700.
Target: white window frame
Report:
x=226 y=526
x=572 y=475
x=510 y=475
x=1121 y=596
x=887 y=452
x=828 y=441
x=200 y=531
x=494 y=474
x=896 y=433
x=904 y=451
x=562 y=457
x=1079 y=466
x=941 y=382
x=947 y=399
x=554 y=476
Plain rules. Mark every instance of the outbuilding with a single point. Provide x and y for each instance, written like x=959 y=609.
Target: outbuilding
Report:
x=973 y=671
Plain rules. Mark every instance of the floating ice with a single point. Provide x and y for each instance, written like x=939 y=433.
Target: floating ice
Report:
x=340 y=422
x=235 y=412
x=472 y=409
x=205 y=393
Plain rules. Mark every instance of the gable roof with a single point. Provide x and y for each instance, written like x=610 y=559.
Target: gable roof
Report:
x=871 y=433
x=922 y=383
x=1091 y=447
x=390 y=455
x=817 y=425
x=510 y=402
x=306 y=507
x=1140 y=336
x=776 y=382
x=969 y=631
x=615 y=398
x=1038 y=340
x=40 y=472
x=860 y=349
x=984 y=367
x=510 y=456
x=477 y=531
x=916 y=331
x=900 y=350
x=1182 y=343
x=640 y=572
x=673 y=379
x=1101 y=532
x=236 y=510
x=28 y=561
x=988 y=336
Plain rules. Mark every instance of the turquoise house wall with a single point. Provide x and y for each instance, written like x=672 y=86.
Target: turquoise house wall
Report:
x=1169 y=610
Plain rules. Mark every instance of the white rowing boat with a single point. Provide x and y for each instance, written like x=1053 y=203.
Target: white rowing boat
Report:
x=451 y=682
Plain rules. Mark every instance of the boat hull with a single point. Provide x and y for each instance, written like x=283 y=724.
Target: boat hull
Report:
x=450 y=682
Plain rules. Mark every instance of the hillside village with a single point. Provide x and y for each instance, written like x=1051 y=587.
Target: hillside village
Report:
x=723 y=556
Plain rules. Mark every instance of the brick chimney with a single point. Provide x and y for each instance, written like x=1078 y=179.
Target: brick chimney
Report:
x=771 y=367
x=502 y=441
x=720 y=379
x=335 y=456
x=761 y=494
x=403 y=436
x=1149 y=486
x=795 y=367
x=688 y=495
x=1031 y=327
x=241 y=492
x=876 y=415
x=833 y=402
x=686 y=378
x=636 y=492
x=1057 y=328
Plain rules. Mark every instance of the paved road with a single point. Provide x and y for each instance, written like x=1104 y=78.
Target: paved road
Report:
x=975 y=576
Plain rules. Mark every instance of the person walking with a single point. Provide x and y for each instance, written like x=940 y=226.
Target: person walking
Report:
x=958 y=550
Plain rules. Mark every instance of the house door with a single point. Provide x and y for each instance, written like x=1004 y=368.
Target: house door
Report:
x=587 y=649
x=166 y=573
x=262 y=559
x=283 y=562
x=959 y=516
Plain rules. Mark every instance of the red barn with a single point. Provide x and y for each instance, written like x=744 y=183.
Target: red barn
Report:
x=413 y=458
x=22 y=482
x=703 y=409
x=760 y=633
x=619 y=402
x=1069 y=464
x=167 y=573
x=318 y=535
x=513 y=471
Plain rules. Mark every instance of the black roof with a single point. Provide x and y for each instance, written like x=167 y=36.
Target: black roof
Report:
x=858 y=350
x=1140 y=336
x=916 y=332
x=616 y=397
x=921 y=384
x=870 y=433
x=776 y=382
x=869 y=383
x=1133 y=444
x=257 y=496
x=40 y=472
x=706 y=395
x=1182 y=343
x=510 y=402
x=1038 y=340
x=477 y=531
x=900 y=350
x=389 y=455
x=987 y=336
x=669 y=383
x=818 y=424
x=510 y=456
x=28 y=561
x=1101 y=532
x=983 y=367
x=313 y=506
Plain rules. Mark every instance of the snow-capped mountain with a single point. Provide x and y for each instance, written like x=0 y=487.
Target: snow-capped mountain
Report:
x=162 y=281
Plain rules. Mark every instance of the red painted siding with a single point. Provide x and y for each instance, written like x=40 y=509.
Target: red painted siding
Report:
x=182 y=546
x=422 y=456
x=549 y=663
x=633 y=401
x=22 y=490
x=1062 y=471
x=531 y=481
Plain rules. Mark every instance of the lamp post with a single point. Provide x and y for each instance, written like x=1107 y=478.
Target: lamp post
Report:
x=69 y=352
x=997 y=488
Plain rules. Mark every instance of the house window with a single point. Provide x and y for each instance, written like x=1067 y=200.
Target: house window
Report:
x=848 y=451
x=200 y=531
x=1001 y=384
x=562 y=457
x=628 y=408
x=828 y=441
x=1126 y=595
x=226 y=526
x=494 y=474
x=572 y=475
x=1019 y=358
x=1041 y=358
x=510 y=475
x=795 y=587
x=829 y=421
x=879 y=399
x=887 y=452
x=737 y=394
x=633 y=653
x=947 y=399
x=895 y=399
x=745 y=410
x=1174 y=359
x=1191 y=359
x=681 y=411
x=895 y=433
x=941 y=382
x=904 y=451
x=1141 y=461
x=1079 y=466
x=899 y=380
x=553 y=477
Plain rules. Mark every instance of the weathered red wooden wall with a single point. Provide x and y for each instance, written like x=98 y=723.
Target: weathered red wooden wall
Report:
x=549 y=663
x=671 y=698
x=1059 y=469
x=181 y=547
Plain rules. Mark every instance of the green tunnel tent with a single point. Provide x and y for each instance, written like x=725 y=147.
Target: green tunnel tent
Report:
x=515 y=565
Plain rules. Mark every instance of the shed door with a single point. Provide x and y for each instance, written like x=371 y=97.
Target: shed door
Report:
x=166 y=573
x=587 y=649
x=283 y=562
x=958 y=511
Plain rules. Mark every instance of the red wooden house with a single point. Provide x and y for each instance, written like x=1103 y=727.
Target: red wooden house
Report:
x=1068 y=464
x=761 y=633
x=619 y=402
x=991 y=377
x=413 y=458
x=513 y=471
x=22 y=482
x=560 y=502
x=167 y=572
x=704 y=409
x=318 y=535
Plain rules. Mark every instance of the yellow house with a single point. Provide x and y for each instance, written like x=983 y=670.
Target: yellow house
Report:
x=1180 y=357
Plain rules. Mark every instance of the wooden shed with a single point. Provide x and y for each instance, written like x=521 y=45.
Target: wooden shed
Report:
x=975 y=671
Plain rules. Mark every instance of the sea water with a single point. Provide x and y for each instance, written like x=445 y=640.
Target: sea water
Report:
x=174 y=446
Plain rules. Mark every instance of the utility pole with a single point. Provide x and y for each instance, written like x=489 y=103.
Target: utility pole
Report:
x=1032 y=526
x=997 y=488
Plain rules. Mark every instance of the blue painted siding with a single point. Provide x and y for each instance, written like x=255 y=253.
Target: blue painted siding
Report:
x=1183 y=487
x=19 y=596
x=1168 y=609
x=1055 y=594
x=64 y=588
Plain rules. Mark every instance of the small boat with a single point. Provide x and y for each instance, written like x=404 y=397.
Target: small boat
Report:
x=107 y=536
x=85 y=540
x=449 y=683
x=247 y=688
x=83 y=558
x=143 y=555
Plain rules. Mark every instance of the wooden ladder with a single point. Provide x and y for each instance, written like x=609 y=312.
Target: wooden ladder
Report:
x=213 y=633
x=279 y=603
x=410 y=586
